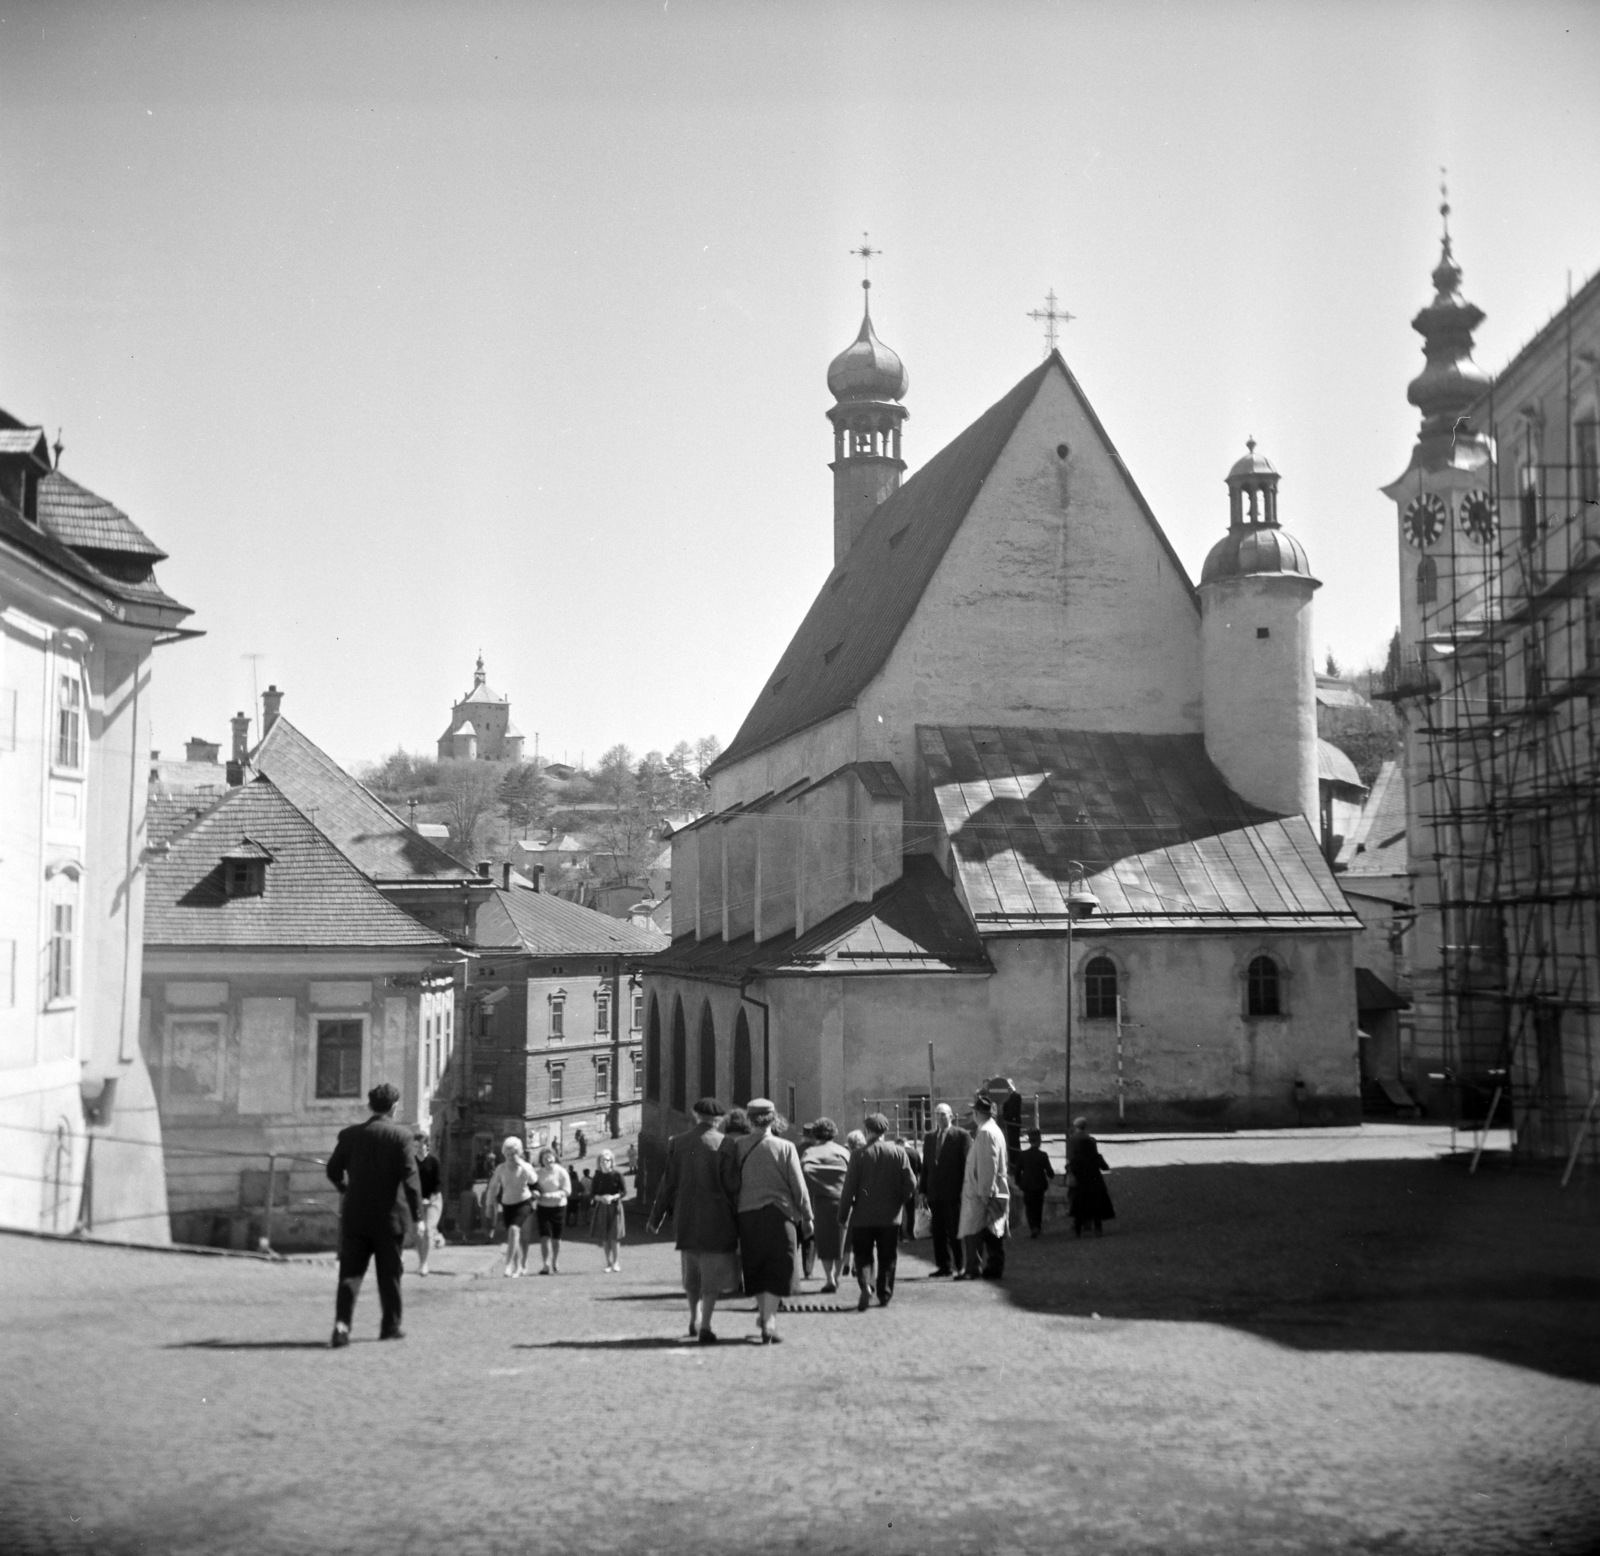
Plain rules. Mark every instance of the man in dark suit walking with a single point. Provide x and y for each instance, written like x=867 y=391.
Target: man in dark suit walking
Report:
x=877 y=1184
x=944 y=1168
x=695 y=1193
x=372 y=1164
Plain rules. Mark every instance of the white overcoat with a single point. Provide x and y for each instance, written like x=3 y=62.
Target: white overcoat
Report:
x=985 y=1195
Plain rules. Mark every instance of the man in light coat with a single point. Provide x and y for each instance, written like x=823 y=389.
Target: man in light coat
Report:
x=985 y=1196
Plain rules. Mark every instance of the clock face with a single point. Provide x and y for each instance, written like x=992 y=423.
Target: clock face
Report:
x=1425 y=520
x=1478 y=517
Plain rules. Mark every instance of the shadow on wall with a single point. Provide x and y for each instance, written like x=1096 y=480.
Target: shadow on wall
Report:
x=1352 y=1256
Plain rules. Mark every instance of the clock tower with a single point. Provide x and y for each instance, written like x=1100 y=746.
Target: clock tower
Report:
x=1449 y=526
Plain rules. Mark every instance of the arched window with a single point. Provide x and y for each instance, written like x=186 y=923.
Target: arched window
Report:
x=652 y=1054
x=1427 y=581
x=1263 y=987
x=680 y=1058
x=708 y=1052
x=1100 y=989
x=741 y=1060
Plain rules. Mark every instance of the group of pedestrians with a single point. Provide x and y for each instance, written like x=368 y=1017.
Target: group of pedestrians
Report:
x=743 y=1201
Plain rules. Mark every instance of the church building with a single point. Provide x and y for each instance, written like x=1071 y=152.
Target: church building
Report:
x=480 y=726
x=1018 y=799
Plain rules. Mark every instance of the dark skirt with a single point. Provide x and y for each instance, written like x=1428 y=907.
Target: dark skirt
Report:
x=826 y=1212
x=1088 y=1198
x=767 y=1243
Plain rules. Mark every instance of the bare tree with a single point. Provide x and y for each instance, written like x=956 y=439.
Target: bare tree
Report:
x=469 y=792
x=706 y=750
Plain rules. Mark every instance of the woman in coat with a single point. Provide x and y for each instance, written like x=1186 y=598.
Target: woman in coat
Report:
x=1087 y=1198
x=607 y=1222
x=824 y=1165
x=774 y=1208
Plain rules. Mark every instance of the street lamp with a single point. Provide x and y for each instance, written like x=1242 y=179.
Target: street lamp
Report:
x=1081 y=903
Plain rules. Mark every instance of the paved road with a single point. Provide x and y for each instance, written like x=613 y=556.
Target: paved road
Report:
x=1315 y=1359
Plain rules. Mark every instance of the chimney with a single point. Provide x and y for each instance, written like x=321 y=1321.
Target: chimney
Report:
x=241 y=749
x=271 y=701
x=505 y=877
x=198 y=750
x=538 y=877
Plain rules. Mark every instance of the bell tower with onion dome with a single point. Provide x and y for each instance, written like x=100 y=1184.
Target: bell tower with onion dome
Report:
x=868 y=381
x=1258 y=680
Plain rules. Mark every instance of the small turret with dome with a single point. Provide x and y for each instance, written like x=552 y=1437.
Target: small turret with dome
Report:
x=867 y=381
x=1257 y=674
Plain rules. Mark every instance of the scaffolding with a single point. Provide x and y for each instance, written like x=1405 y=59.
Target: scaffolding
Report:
x=1501 y=697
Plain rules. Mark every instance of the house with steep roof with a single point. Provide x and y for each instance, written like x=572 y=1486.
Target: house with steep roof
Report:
x=280 y=984
x=1009 y=707
x=81 y=614
x=556 y=1022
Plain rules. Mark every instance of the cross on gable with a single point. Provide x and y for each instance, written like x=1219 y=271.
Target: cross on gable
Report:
x=1050 y=316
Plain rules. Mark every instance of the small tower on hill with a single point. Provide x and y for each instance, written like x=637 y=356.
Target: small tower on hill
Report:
x=480 y=726
x=1258 y=672
x=868 y=381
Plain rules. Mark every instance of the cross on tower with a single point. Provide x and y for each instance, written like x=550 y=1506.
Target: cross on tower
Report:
x=1051 y=316
x=868 y=254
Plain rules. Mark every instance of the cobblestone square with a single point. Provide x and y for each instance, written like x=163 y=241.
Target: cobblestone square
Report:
x=1354 y=1357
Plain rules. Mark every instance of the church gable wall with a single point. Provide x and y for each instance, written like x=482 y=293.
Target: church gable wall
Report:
x=811 y=753
x=1056 y=604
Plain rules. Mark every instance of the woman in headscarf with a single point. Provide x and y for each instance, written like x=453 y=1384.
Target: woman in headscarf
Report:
x=607 y=1223
x=774 y=1212
x=508 y=1196
x=552 y=1190
x=1088 y=1200
x=824 y=1166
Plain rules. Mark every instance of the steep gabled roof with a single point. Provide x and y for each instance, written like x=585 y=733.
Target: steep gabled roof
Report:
x=870 y=596
x=81 y=519
x=1165 y=843
x=375 y=840
x=1377 y=842
x=536 y=922
x=314 y=896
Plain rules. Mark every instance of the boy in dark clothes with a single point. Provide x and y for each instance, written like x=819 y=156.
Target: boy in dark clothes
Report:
x=1034 y=1173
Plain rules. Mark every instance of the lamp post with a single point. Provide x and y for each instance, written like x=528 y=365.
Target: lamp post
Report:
x=1081 y=903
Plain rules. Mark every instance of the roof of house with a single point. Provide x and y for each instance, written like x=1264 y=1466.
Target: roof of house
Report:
x=1335 y=692
x=1333 y=766
x=543 y=925
x=81 y=519
x=914 y=925
x=1163 y=841
x=169 y=809
x=375 y=840
x=871 y=594
x=1377 y=843
x=314 y=896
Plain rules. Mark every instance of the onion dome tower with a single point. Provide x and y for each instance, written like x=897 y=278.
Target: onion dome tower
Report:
x=868 y=381
x=1258 y=674
x=1448 y=519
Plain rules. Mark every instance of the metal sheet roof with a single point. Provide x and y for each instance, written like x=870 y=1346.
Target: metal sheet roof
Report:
x=914 y=925
x=1164 y=842
x=543 y=925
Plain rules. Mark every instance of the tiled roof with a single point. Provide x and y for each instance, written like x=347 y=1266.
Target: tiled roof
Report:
x=914 y=925
x=1377 y=842
x=169 y=811
x=870 y=596
x=1333 y=766
x=80 y=519
x=535 y=921
x=1164 y=841
x=314 y=896
x=375 y=840
x=26 y=441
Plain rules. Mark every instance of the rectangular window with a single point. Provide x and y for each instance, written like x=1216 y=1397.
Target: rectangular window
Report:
x=602 y=1080
x=558 y=1017
x=638 y=1011
x=558 y=1081
x=62 y=919
x=919 y=1110
x=790 y=1114
x=602 y=1012
x=1586 y=448
x=339 y=1057
x=484 y=1085
x=69 y=722
x=638 y=1071
x=193 y=1059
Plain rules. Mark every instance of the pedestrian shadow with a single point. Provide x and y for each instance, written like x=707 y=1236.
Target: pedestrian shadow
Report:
x=626 y=1343
x=644 y=1296
x=247 y=1345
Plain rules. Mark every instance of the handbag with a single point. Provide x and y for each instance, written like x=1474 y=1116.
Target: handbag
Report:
x=922 y=1221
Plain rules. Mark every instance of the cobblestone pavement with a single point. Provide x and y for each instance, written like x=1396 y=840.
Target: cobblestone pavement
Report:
x=1368 y=1358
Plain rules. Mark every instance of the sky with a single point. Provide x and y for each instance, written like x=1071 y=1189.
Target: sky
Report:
x=414 y=331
